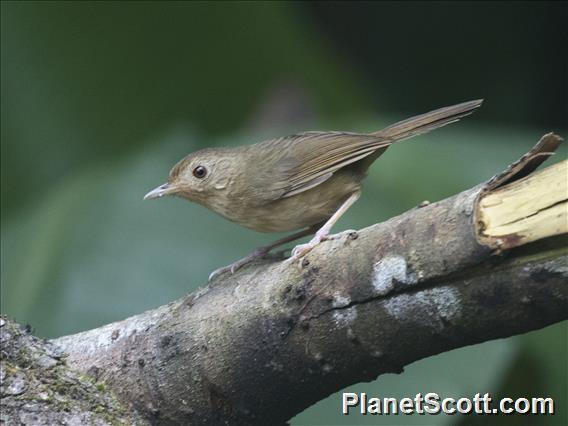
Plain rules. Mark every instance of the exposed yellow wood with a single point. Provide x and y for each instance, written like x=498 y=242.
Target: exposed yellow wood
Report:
x=529 y=209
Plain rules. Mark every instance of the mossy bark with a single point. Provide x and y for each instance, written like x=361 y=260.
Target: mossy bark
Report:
x=39 y=388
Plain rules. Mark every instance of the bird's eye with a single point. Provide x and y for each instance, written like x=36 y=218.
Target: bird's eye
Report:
x=199 y=172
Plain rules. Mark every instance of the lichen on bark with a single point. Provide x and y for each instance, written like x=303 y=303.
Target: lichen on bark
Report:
x=37 y=386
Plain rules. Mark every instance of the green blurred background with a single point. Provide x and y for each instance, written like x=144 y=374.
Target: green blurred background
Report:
x=98 y=100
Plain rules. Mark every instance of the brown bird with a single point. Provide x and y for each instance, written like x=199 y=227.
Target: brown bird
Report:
x=307 y=180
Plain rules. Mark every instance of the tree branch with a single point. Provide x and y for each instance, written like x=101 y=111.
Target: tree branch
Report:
x=262 y=345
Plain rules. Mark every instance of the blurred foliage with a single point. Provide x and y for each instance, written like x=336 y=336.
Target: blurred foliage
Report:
x=100 y=99
x=96 y=78
x=419 y=53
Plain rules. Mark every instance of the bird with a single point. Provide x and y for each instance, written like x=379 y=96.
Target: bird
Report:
x=303 y=182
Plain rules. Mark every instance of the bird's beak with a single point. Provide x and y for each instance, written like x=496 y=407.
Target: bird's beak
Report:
x=159 y=192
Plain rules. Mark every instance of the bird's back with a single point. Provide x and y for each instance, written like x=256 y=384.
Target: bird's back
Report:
x=301 y=180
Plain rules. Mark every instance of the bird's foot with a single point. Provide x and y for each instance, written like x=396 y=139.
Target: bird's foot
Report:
x=302 y=249
x=235 y=266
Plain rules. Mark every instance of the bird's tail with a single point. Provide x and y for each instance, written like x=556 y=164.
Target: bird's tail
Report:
x=431 y=120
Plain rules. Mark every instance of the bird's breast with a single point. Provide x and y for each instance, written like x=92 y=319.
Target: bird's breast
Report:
x=304 y=209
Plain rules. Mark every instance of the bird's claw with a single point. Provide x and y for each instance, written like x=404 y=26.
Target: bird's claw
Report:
x=232 y=268
x=302 y=249
x=297 y=253
x=217 y=272
x=235 y=266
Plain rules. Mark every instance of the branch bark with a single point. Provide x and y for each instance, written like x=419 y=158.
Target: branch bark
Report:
x=263 y=344
x=38 y=387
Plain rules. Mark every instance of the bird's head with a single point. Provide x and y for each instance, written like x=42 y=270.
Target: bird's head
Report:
x=201 y=177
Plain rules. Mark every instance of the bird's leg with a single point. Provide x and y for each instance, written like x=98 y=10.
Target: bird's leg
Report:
x=323 y=233
x=262 y=251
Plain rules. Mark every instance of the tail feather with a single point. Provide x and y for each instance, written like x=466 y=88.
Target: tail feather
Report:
x=431 y=120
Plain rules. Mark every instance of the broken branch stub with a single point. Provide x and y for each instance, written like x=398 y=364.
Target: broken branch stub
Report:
x=518 y=206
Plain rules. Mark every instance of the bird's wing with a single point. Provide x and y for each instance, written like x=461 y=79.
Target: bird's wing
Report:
x=308 y=159
x=303 y=161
